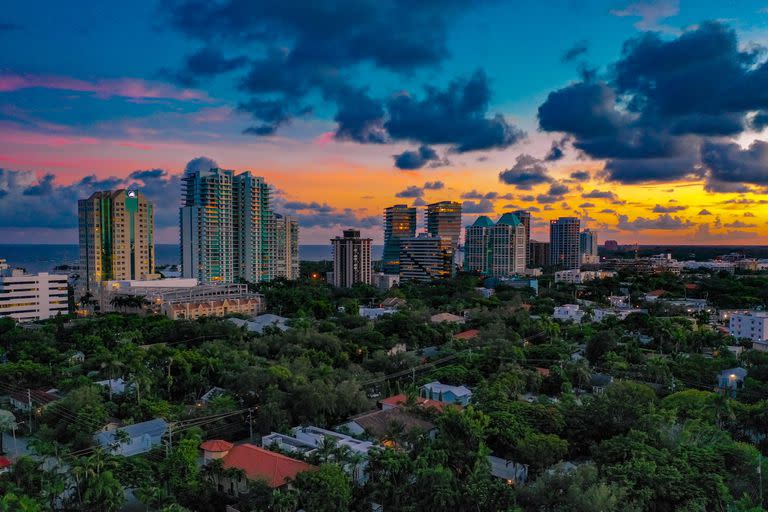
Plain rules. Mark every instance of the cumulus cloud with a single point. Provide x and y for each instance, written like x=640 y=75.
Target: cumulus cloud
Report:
x=456 y=116
x=599 y=194
x=662 y=222
x=29 y=201
x=580 y=175
x=658 y=115
x=201 y=163
x=434 y=185
x=412 y=191
x=482 y=206
x=527 y=172
x=416 y=159
x=668 y=209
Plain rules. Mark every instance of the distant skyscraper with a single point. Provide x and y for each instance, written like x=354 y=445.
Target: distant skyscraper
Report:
x=564 y=243
x=116 y=237
x=351 y=259
x=495 y=249
x=251 y=237
x=443 y=220
x=588 y=246
x=525 y=218
x=425 y=257
x=539 y=254
x=399 y=223
x=207 y=238
x=285 y=259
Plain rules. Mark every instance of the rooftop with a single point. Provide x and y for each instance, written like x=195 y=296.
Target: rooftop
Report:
x=273 y=468
x=216 y=445
x=379 y=423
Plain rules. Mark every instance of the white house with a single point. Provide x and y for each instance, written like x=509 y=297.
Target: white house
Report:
x=568 y=312
x=140 y=438
x=374 y=313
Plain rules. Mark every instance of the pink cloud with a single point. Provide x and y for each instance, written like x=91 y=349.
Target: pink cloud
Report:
x=323 y=139
x=133 y=88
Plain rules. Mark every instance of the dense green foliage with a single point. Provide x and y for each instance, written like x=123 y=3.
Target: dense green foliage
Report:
x=657 y=438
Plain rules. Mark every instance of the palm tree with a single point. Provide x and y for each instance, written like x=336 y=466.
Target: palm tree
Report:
x=112 y=367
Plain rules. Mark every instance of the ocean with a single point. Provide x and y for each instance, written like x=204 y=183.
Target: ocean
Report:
x=43 y=258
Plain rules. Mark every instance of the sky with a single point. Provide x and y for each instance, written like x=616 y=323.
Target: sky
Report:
x=645 y=119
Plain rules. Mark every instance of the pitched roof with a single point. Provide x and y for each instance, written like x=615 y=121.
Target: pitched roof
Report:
x=739 y=372
x=439 y=387
x=483 y=221
x=216 y=445
x=510 y=219
x=656 y=293
x=378 y=423
x=399 y=400
x=152 y=428
x=259 y=464
x=467 y=335
x=446 y=317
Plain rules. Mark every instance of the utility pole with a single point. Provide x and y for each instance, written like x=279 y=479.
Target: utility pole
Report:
x=760 y=476
x=29 y=405
x=250 y=424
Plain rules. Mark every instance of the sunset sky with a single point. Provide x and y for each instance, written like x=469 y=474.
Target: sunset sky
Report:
x=645 y=119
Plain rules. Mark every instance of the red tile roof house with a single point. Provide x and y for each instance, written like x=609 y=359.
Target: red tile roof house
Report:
x=5 y=464
x=273 y=469
x=469 y=334
x=400 y=400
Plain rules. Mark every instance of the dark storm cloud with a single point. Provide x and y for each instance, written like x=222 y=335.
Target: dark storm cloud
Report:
x=729 y=163
x=527 y=172
x=474 y=194
x=456 y=116
x=360 y=118
x=309 y=47
x=416 y=159
x=661 y=101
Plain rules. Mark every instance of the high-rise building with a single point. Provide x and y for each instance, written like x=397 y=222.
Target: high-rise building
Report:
x=207 y=238
x=399 y=223
x=285 y=255
x=116 y=237
x=425 y=257
x=539 y=254
x=351 y=259
x=29 y=297
x=495 y=249
x=564 y=243
x=525 y=218
x=588 y=246
x=443 y=220
x=251 y=236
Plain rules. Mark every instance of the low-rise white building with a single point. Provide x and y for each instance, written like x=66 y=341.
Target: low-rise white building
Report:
x=374 y=313
x=384 y=281
x=569 y=312
x=30 y=297
x=752 y=326
x=576 y=276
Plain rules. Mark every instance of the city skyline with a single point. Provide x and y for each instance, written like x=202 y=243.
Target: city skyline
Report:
x=467 y=114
